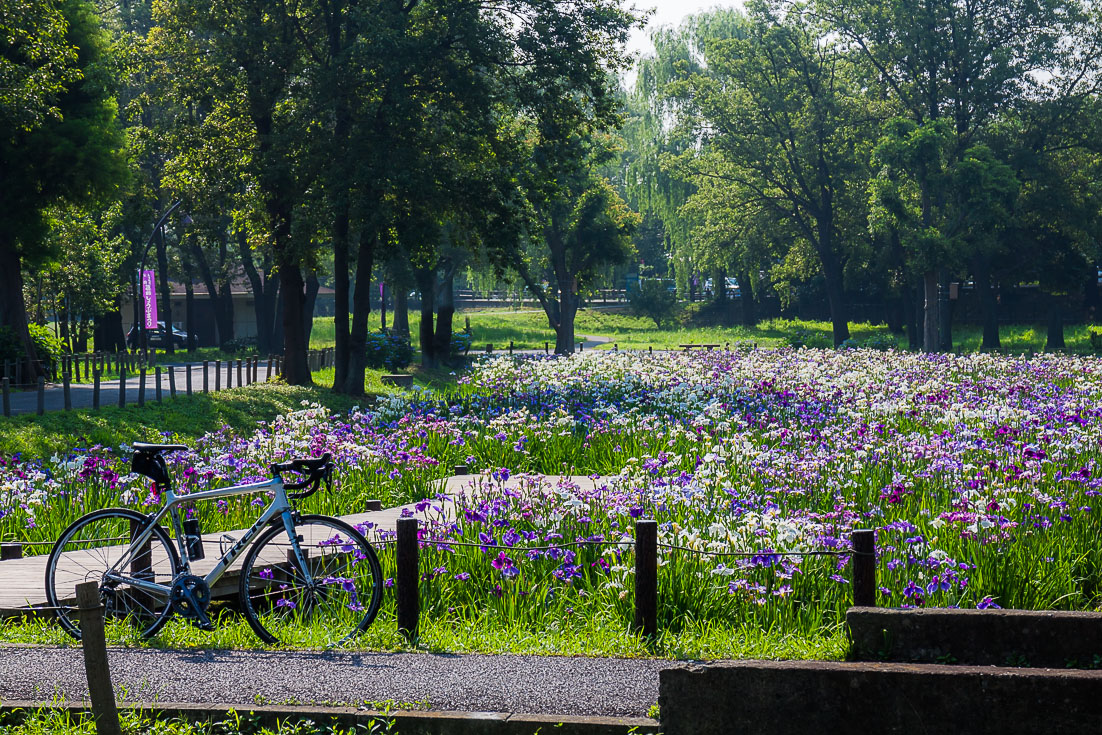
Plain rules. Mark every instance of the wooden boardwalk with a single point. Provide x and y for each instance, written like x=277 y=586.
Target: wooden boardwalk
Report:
x=23 y=581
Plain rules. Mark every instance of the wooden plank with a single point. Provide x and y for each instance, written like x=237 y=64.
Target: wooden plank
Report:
x=23 y=579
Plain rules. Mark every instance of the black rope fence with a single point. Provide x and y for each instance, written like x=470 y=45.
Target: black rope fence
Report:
x=862 y=559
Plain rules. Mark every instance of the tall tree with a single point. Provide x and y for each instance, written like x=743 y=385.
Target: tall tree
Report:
x=782 y=113
x=963 y=63
x=59 y=141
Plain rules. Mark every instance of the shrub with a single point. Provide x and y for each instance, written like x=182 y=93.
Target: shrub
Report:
x=808 y=338
x=461 y=343
x=391 y=351
x=240 y=346
x=880 y=342
x=48 y=347
x=654 y=301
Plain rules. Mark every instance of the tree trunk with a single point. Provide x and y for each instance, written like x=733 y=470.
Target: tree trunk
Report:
x=1091 y=296
x=189 y=309
x=82 y=335
x=361 y=311
x=917 y=312
x=832 y=271
x=989 y=303
x=945 y=313
x=426 y=285
x=401 y=310
x=221 y=302
x=296 y=371
x=62 y=315
x=341 y=291
x=312 y=288
x=746 y=296
x=13 y=313
x=931 y=339
x=264 y=295
x=1055 y=339
x=108 y=332
x=895 y=310
x=445 y=312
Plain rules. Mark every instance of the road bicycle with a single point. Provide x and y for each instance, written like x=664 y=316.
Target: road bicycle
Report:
x=307 y=579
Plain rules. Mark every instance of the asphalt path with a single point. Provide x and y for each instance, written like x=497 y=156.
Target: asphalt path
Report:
x=81 y=394
x=556 y=685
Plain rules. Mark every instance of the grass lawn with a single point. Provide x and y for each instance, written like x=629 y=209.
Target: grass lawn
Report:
x=528 y=329
x=185 y=419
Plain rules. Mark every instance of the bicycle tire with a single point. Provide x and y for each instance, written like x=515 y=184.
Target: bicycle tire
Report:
x=93 y=544
x=282 y=607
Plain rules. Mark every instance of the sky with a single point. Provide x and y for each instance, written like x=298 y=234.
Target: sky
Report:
x=668 y=13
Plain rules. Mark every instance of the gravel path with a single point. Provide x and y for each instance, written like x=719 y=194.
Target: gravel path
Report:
x=505 y=683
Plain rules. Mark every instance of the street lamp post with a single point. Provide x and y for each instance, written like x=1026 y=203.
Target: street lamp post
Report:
x=143 y=332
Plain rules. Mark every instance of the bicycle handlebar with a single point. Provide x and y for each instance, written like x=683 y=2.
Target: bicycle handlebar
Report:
x=316 y=470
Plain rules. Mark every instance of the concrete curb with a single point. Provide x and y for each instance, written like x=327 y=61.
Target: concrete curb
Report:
x=406 y=722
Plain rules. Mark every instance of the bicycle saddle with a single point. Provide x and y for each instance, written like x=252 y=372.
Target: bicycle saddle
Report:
x=147 y=461
x=144 y=448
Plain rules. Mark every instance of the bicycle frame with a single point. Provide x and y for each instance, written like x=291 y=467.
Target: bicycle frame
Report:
x=280 y=506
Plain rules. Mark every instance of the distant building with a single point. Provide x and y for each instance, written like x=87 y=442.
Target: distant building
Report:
x=205 y=326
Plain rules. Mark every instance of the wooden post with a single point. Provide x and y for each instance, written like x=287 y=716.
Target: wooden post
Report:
x=95 y=390
x=646 y=577
x=864 y=567
x=172 y=381
x=157 y=382
x=7 y=395
x=87 y=372
x=406 y=580
x=93 y=639
x=10 y=552
x=206 y=376
x=141 y=387
x=65 y=388
x=489 y=348
x=41 y=395
x=510 y=347
x=229 y=374
x=217 y=375
x=268 y=374
x=239 y=383
x=462 y=469
x=187 y=378
x=373 y=505
x=547 y=348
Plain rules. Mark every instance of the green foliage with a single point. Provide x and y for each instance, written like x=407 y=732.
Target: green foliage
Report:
x=11 y=347
x=653 y=300
x=240 y=346
x=392 y=351
x=46 y=345
x=811 y=338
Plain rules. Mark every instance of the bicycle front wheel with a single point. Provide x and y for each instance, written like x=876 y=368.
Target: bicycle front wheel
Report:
x=323 y=603
x=96 y=548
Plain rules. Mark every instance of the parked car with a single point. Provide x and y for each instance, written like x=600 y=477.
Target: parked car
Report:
x=158 y=338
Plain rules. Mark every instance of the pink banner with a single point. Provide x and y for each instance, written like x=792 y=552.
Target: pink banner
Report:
x=149 y=298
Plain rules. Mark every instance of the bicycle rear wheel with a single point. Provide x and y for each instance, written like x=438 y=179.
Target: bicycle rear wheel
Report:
x=334 y=598
x=99 y=543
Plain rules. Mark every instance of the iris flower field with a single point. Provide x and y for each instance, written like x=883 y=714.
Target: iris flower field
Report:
x=980 y=473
